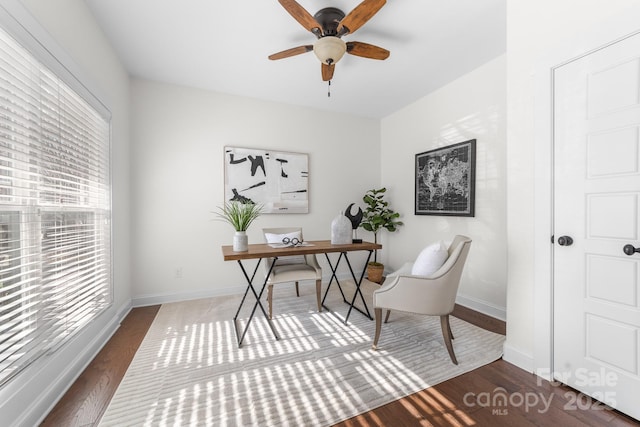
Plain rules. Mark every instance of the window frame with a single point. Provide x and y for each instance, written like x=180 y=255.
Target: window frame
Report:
x=12 y=21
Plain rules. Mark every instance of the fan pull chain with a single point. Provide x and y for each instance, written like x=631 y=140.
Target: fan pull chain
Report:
x=329 y=89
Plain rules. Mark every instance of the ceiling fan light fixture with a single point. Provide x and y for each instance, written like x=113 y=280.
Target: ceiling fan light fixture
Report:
x=329 y=49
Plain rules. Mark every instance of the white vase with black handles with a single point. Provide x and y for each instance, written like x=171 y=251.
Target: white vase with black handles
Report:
x=240 y=241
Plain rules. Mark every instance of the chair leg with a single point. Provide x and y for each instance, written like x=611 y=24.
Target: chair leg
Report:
x=386 y=318
x=450 y=333
x=297 y=290
x=378 y=315
x=446 y=334
x=318 y=294
x=270 y=300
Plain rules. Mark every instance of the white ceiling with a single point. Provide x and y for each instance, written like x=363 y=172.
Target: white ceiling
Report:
x=223 y=46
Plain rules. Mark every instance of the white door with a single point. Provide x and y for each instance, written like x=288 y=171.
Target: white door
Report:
x=596 y=301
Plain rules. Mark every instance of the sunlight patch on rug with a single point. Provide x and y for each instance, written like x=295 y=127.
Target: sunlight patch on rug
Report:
x=190 y=371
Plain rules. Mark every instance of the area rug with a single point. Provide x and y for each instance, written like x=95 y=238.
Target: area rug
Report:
x=189 y=370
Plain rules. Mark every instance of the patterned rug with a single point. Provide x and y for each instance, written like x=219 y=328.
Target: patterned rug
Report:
x=189 y=370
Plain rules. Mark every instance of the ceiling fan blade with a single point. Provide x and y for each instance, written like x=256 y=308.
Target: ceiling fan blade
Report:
x=359 y=16
x=301 y=15
x=367 y=50
x=327 y=71
x=291 y=52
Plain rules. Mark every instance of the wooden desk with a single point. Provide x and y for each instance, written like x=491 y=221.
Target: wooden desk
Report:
x=261 y=251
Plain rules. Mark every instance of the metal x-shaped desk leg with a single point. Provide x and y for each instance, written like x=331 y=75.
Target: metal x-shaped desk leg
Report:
x=333 y=276
x=239 y=336
x=357 y=281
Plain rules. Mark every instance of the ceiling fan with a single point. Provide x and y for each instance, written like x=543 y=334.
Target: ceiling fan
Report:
x=329 y=25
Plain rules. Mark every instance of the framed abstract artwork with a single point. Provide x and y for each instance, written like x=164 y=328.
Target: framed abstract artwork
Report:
x=445 y=180
x=277 y=180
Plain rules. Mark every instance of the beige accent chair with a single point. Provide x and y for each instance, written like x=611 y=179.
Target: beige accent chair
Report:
x=433 y=295
x=291 y=269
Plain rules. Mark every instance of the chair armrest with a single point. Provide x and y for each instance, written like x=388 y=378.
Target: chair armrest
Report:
x=405 y=270
x=267 y=264
x=309 y=260
x=417 y=294
x=312 y=260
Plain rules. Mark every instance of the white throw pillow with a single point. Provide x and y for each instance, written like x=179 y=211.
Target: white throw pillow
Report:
x=430 y=259
x=274 y=238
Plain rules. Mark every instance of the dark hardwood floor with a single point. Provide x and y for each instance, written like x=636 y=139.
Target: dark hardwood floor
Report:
x=498 y=394
x=88 y=398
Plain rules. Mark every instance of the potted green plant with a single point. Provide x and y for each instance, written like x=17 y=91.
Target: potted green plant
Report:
x=240 y=216
x=376 y=216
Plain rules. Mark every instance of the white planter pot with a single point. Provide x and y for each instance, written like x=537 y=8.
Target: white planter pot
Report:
x=240 y=241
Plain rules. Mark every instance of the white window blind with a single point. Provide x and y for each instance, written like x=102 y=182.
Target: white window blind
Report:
x=55 y=209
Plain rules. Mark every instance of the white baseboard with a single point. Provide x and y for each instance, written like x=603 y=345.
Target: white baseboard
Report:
x=482 y=307
x=165 y=298
x=517 y=357
x=155 y=299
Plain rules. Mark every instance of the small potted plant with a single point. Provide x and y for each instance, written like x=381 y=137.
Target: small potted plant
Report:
x=376 y=216
x=240 y=216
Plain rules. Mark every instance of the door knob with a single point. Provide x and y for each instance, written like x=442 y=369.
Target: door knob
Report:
x=630 y=250
x=565 y=241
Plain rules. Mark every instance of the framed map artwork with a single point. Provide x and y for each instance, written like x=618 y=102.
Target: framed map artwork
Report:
x=445 y=180
x=277 y=180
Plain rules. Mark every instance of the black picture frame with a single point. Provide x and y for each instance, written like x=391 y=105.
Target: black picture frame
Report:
x=445 y=181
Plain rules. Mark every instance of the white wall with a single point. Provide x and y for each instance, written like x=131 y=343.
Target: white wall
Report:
x=471 y=107
x=541 y=35
x=67 y=29
x=178 y=135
